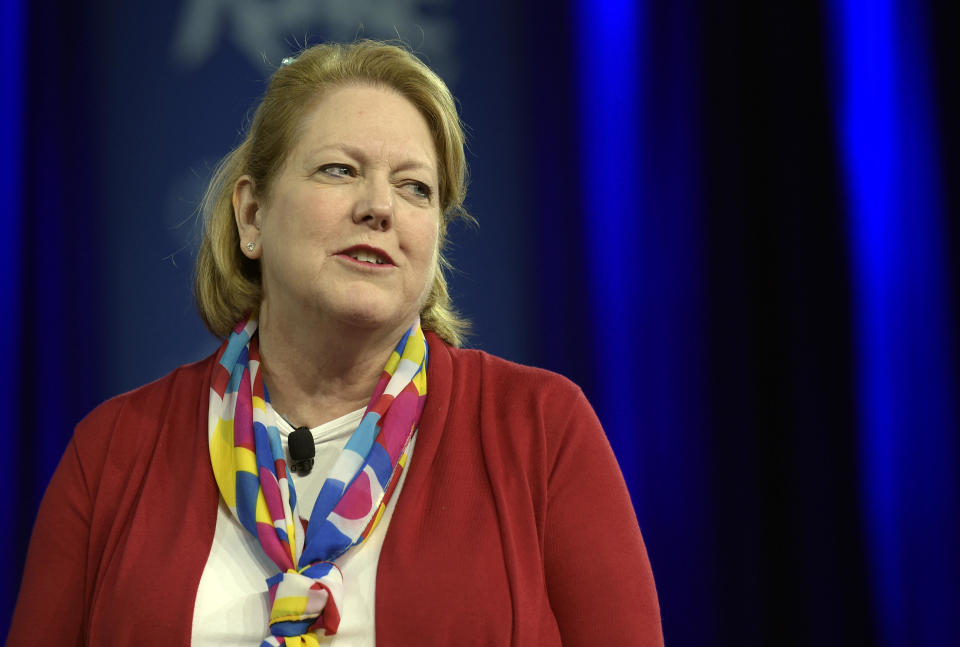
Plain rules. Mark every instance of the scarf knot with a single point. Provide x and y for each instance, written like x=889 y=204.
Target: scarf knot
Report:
x=305 y=601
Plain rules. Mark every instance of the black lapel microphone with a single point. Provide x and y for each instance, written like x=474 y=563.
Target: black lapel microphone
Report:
x=302 y=451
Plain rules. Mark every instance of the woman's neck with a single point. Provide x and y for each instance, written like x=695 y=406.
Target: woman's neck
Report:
x=318 y=372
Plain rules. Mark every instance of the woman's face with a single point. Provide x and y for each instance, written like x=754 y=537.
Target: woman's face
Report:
x=349 y=228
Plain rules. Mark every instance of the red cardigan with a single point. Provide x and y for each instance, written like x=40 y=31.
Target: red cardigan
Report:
x=514 y=525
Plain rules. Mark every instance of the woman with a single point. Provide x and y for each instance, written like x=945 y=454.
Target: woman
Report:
x=455 y=498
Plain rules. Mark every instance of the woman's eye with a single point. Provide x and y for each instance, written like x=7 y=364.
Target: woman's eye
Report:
x=420 y=189
x=337 y=170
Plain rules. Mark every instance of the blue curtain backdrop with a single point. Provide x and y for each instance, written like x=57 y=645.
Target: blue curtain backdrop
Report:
x=731 y=223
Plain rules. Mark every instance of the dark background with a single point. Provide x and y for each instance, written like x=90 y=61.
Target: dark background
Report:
x=732 y=223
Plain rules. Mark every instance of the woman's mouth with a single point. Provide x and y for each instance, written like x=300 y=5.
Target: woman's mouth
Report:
x=367 y=255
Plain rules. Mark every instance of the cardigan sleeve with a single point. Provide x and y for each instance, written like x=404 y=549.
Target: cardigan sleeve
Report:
x=598 y=575
x=59 y=573
x=51 y=600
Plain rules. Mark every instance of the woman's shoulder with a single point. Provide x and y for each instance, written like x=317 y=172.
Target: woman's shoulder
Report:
x=148 y=406
x=495 y=383
x=533 y=414
x=490 y=370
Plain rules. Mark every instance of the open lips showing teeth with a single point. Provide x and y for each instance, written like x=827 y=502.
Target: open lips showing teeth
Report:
x=366 y=255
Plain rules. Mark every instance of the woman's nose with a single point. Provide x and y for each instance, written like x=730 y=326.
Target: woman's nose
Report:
x=375 y=204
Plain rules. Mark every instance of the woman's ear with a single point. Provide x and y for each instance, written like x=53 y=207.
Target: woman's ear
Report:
x=246 y=209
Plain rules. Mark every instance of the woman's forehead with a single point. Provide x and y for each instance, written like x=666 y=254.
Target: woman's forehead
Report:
x=369 y=123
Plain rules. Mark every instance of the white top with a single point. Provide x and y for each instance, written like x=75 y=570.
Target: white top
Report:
x=231 y=605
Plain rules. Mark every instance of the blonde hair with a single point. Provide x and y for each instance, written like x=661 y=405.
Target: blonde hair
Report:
x=228 y=284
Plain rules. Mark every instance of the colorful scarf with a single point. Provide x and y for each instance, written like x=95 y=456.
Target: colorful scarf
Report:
x=251 y=472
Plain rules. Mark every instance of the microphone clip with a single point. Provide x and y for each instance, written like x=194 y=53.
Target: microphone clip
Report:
x=302 y=450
